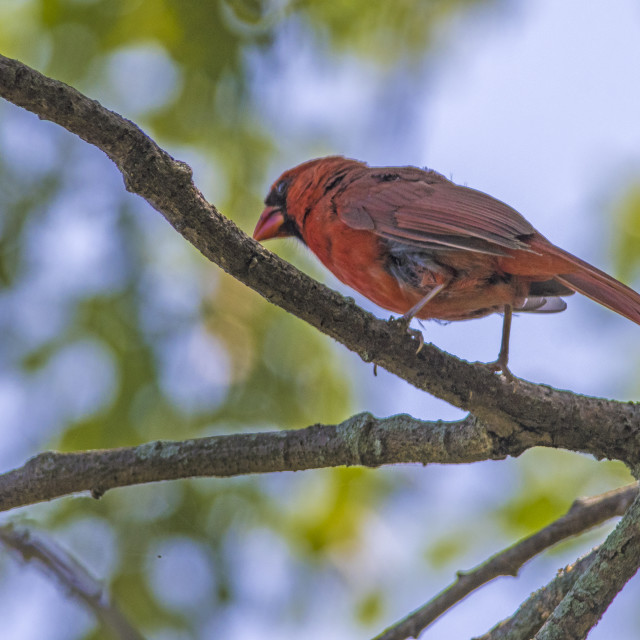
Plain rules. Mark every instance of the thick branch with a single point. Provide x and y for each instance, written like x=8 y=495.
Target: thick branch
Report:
x=616 y=562
x=360 y=440
x=583 y=515
x=535 y=610
x=596 y=426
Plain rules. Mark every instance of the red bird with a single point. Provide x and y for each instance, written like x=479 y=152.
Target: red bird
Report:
x=417 y=244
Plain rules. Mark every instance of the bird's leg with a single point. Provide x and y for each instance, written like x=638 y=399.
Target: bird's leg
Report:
x=503 y=357
x=408 y=317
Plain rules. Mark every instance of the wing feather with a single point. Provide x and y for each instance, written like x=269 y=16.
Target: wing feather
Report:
x=424 y=209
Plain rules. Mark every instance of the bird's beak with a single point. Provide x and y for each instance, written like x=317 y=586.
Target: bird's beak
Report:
x=270 y=224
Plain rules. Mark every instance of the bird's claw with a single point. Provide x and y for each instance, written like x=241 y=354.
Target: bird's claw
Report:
x=416 y=334
x=499 y=366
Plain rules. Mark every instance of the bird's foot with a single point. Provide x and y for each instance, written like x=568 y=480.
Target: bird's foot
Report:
x=499 y=366
x=404 y=322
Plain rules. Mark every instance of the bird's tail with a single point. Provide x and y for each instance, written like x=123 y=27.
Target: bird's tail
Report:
x=597 y=285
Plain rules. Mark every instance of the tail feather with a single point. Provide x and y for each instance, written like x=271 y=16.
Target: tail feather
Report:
x=602 y=288
x=565 y=268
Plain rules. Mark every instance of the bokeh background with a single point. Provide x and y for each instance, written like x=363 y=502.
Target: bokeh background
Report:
x=114 y=331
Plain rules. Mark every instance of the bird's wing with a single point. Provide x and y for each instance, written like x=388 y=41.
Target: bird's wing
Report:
x=424 y=209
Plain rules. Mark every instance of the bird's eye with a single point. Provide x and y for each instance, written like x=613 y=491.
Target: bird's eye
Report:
x=278 y=195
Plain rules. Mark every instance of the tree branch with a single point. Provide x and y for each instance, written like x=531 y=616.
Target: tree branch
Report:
x=535 y=610
x=360 y=440
x=592 y=425
x=73 y=576
x=616 y=562
x=583 y=515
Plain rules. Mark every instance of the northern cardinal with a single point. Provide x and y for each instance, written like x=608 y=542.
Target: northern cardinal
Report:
x=417 y=244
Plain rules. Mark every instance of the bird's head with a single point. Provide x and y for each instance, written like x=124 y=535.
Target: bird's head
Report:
x=295 y=194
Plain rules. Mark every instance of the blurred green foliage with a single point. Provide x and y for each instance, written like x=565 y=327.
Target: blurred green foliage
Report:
x=627 y=242
x=550 y=482
x=137 y=330
x=383 y=31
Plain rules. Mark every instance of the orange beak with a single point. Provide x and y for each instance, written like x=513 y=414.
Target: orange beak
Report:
x=270 y=225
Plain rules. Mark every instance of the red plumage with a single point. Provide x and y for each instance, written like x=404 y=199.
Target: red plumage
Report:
x=417 y=244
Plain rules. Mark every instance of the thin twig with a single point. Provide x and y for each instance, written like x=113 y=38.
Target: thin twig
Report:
x=72 y=575
x=583 y=515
